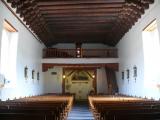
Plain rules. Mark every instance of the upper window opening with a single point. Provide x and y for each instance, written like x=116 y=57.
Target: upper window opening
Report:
x=151 y=47
x=8 y=54
x=8 y=26
x=151 y=27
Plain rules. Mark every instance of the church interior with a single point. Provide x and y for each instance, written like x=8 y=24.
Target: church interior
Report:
x=79 y=60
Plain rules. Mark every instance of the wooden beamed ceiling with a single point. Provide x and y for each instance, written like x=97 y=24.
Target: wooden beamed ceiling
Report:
x=85 y=21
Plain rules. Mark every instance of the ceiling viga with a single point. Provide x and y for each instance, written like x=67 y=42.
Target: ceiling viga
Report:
x=85 y=21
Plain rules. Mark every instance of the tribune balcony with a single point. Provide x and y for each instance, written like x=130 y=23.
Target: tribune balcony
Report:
x=82 y=53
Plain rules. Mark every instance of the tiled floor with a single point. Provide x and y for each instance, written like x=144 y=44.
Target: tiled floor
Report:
x=80 y=111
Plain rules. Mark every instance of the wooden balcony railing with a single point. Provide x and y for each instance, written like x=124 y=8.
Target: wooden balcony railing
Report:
x=86 y=53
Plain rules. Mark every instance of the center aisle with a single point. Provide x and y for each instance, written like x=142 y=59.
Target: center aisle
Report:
x=80 y=111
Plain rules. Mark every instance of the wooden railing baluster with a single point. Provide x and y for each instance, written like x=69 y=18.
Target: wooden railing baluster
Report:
x=86 y=53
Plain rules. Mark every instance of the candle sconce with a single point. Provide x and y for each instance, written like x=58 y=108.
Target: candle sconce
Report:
x=38 y=76
x=123 y=75
x=127 y=74
x=33 y=71
x=135 y=72
x=26 y=72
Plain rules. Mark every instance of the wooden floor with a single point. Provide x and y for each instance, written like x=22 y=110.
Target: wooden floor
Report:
x=80 y=111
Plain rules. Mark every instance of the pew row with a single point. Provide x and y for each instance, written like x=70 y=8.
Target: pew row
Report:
x=47 y=107
x=123 y=108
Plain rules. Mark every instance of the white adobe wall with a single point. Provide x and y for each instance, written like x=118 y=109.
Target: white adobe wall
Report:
x=131 y=53
x=53 y=83
x=102 y=81
x=80 y=60
x=29 y=53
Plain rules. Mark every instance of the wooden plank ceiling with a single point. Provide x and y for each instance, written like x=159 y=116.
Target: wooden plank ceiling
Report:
x=83 y=21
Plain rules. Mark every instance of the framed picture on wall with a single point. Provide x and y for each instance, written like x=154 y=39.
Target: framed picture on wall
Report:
x=122 y=75
x=135 y=72
x=80 y=75
x=33 y=71
x=38 y=76
x=127 y=73
x=26 y=72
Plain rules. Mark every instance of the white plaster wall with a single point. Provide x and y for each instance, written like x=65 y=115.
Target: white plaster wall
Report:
x=29 y=53
x=131 y=53
x=53 y=83
x=102 y=81
x=80 y=60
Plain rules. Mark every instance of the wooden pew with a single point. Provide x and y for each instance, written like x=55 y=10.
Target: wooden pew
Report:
x=124 y=108
x=47 y=107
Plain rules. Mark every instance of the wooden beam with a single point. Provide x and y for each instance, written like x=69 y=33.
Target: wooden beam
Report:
x=82 y=11
x=79 y=7
x=81 y=32
x=114 y=66
x=82 y=18
x=81 y=15
x=76 y=2
x=82 y=25
x=63 y=22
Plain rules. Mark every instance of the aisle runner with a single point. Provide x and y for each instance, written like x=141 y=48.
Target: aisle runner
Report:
x=80 y=111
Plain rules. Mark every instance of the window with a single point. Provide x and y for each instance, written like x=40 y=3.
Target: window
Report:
x=151 y=46
x=8 y=54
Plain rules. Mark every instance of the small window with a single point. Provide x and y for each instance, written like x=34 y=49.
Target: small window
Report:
x=151 y=27
x=9 y=42
x=151 y=47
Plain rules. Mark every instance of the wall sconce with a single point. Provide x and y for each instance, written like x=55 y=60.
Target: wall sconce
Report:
x=135 y=72
x=26 y=72
x=78 y=50
x=93 y=76
x=38 y=76
x=33 y=74
x=64 y=76
x=127 y=74
x=122 y=75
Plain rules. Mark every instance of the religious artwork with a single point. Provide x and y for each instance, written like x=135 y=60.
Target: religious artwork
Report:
x=38 y=76
x=123 y=75
x=26 y=72
x=68 y=86
x=80 y=75
x=33 y=74
x=128 y=74
x=135 y=72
